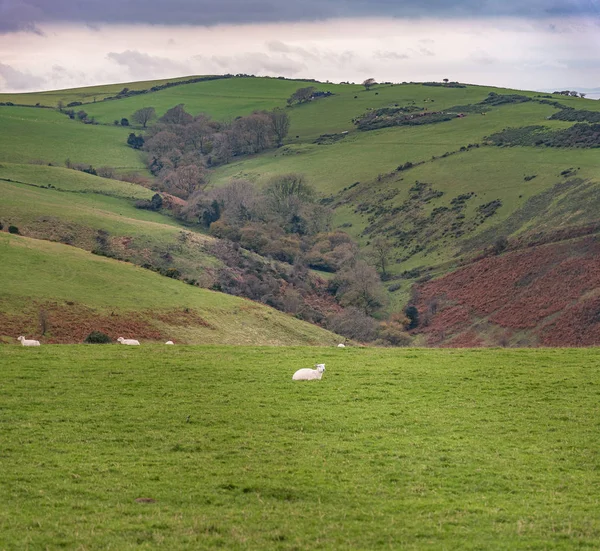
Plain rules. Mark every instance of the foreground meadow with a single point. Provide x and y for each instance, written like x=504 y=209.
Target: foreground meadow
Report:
x=108 y=447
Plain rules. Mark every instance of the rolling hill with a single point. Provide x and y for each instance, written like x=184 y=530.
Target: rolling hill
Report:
x=61 y=294
x=447 y=195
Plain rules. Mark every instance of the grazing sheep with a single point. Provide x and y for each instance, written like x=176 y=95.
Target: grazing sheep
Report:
x=307 y=374
x=169 y=342
x=27 y=342
x=131 y=342
x=341 y=345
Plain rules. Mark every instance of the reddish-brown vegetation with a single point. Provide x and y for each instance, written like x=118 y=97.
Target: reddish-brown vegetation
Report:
x=548 y=291
x=72 y=323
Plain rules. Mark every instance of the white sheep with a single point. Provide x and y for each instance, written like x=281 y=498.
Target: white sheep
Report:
x=27 y=342
x=169 y=342
x=307 y=374
x=131 y=342
x=341 y=345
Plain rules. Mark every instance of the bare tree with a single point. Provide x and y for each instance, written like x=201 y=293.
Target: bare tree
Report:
x=176 y=115
x=184 y=181
x=286 y=193
x=381 y=251
x=144 y=115
x=354 y=324
x=361 y=287
x=280 y=122
x=368 y=83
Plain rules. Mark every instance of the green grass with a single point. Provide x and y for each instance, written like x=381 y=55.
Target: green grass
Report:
x=75 y=218
x=35 y=272
x=86 y=94
x=393 y=449
x=363 y=155
x=222 y=99
x=64 y=179
x=42 y=134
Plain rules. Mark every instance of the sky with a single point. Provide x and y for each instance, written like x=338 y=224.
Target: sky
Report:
x=525 y=44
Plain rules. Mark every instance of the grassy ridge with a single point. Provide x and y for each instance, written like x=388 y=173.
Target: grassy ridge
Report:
x=64 y=179
x=222 y=99
x=37 y=272
x=42 y=134
x=86 y=94
x=362 y=156
x=407 y=449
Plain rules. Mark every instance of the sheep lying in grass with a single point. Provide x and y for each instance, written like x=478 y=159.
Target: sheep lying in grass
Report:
x=27 y=342
x=131 y=342
x=341 y=345
x=169 y=342
x=307 y=374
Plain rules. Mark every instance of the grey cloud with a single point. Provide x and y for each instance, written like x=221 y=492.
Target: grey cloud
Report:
x=394 y=56
x=142 y=65
x=483 y=58
x=281 y=47
x=17 y=80
x=256 y=63
x=26 y=14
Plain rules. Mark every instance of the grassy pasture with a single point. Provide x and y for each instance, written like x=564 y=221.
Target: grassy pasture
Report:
x=86 y=94
x=64 y=179
x=222 y=99
x=363 y=155
x=43 y=134
x=40 y=272
x=401 y=449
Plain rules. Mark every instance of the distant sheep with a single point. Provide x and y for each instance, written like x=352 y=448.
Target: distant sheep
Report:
x=341 y=345
x=307 y=374
x=131 y=342
x=27 y=342
x=169 y=342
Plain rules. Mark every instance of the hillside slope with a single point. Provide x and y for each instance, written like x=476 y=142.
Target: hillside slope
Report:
x=70 y=293
x=547 y=295
x=444 y=174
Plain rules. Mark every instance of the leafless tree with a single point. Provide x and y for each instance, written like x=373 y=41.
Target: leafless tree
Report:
x=381 y=252
x=280 y=122
x=176 y=115
x=144 y=115
x=184 y=181
x=287 y=192
x=361 y=287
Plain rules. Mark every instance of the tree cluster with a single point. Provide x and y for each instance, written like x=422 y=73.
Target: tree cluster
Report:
x=181 y=147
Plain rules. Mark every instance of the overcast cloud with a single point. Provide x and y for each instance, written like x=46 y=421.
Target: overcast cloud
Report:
x=527 y=44
x=29 y=14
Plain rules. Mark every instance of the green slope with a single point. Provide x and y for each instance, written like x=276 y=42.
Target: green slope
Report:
x=86 y=94
x=30 y=134
x=79 y=207
x=393 y=449
x=222 y=99
x=363 y=156
x=75 y=286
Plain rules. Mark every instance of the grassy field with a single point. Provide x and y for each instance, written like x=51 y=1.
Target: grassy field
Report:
x=222 y=99
x=30 y=134
x=79 y=290
x=87 y=94
x=64 y=179
x=362 y=156
x=215 y=447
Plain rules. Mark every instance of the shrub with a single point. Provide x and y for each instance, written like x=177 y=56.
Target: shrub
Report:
x=97 y=337
x=412 y=314
x=13 y=229
x=124 y=122
x=1 y=226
